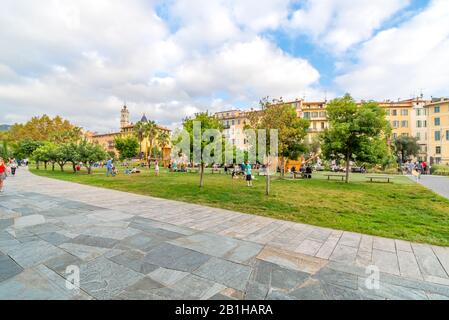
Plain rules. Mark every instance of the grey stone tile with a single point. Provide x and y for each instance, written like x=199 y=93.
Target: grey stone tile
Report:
x=173 y=257
x=38 y=283
x=95 y=241
x=208 y=243
x=143 y=289
x=278 y=295
x=384 y=244
x=83 y=252
x=109 y=232
x=311 y=290
x=198 y=288
x=60 y=263
x=287 y=279
x=386 y=261
x=167 y=277
x=164 y=234
x=33 y=253
x=443 y=256
x=28 y=221
x=344 y=253
x=165 y=226
x=54 y=238
x=8 y=268
x=103 y=279
x=392 y=292
x=135 y=261
x=256 y=291
x=225 y=272
x=350 y=239
x=408 y=265
x=142 y=241
x=309 y=247
x=427 y=261
x=5 y=223
x=342 y=279
x=343 y=293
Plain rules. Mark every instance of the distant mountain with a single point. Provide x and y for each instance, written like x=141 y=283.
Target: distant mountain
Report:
x=4 y=127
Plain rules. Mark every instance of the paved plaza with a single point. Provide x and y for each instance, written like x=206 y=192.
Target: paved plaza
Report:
x=128 y=246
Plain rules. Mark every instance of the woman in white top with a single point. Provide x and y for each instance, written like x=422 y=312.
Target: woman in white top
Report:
x=156 y=168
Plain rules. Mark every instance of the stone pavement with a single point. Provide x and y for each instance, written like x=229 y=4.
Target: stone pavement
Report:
x=128 y=246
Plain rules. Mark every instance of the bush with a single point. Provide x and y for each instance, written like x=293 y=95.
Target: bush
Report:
x=440 y=170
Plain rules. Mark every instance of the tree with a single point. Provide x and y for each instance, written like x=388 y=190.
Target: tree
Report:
x=5 y=152
x=25 y=148
x=89 y=154
x=355 y=133
x=291 y=129
x=151 y=133
x=127 y=147
x=67 y=152
x=207 y=122
x=163 y=140
x=406 y=147
x=44 y=153
x=139 y=132
x=44 y=128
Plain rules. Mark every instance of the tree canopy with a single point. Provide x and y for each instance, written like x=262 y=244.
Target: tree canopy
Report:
x=128 y=147
x=356 y=132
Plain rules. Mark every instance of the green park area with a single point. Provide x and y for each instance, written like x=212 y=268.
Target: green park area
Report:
x=401 y=209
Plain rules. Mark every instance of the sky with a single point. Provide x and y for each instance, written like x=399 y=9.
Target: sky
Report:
x=170 y=59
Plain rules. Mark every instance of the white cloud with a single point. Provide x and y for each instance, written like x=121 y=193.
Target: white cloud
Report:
x=339 y=24
x=404 y=60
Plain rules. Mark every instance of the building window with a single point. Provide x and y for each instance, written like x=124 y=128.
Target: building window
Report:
x=394 y=112
x=437 y=135
x=425 y=123
x=322 y=125
x=437 y=121
x=306 y=115
x=315 y=114
x=447 y=135
x=238 y=121
x=418 y=135
x=438 y=150
x=395 y=124
x=419 y=124
x=436 y=109
x=404 y=112
x=404 y=124
x=395 y=135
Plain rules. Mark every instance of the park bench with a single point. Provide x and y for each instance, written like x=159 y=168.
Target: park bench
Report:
x=341 y=176
x=380 y=178
x=301 y=175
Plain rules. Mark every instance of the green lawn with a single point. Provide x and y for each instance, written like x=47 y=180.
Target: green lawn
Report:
x=402 y=209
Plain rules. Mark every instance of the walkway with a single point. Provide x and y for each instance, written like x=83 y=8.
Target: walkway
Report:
x=439 y=185
x=136 y=247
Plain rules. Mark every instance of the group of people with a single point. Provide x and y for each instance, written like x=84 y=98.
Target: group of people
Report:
x=111 y=169
x=8 y=168
x=417 y=168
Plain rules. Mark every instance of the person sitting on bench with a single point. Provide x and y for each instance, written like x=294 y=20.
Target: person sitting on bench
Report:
x=308 y=172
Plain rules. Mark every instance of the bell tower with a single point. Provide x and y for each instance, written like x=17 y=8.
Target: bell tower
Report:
x=124 y=117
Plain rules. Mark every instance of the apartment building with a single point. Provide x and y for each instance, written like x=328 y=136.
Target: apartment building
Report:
x=234 y=122
x=438 y=131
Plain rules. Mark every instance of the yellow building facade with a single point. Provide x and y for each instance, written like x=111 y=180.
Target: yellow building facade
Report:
x=438 y=132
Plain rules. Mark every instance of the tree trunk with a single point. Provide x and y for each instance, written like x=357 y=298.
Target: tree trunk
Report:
x=267 y=182
x=89 y=169
x=348 y=157
x=61 y=166
x=282 y=167
x=37 y=165
x=202 y=175
x=53 y=166
x=45 y=165
x=74 y=167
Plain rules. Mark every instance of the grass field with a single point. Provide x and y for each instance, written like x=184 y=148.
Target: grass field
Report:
x=402 y=209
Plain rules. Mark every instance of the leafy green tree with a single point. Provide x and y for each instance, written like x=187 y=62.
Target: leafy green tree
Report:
x=25 y=148
x=151 y=132
x=406 y=147
x=67 y=152
x=44 y=153
x=207 y=122
x=89 y=154
x=291 y=129
x=5 y=152
x=355 y=133
x=128 y=147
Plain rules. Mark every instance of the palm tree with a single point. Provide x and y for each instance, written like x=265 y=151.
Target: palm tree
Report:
x=139 y=132
x=150 y=132
x=163 y=140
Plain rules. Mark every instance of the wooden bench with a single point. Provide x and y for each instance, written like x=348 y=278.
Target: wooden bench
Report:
x=381 y=178
x=301 y=175
x=329 y=176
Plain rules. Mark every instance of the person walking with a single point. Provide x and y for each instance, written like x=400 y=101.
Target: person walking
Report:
x=109 y=167
x=249 y=174
x=13 y=166
x=156 y=168
x=2 y=174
